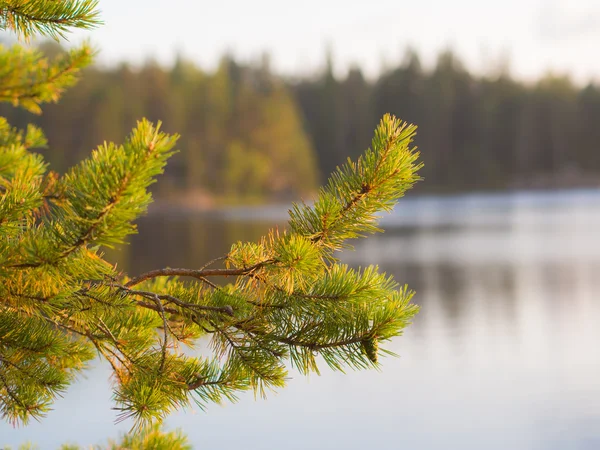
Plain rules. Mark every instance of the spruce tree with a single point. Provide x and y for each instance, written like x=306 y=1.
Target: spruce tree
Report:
x=284 y=299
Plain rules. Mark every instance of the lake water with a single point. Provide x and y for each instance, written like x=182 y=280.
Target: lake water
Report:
x=505 y=353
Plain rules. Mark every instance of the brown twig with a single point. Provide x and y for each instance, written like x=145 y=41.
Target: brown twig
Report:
x=198 y=274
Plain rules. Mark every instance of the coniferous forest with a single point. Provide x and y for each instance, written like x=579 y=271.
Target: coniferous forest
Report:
x=248 y=133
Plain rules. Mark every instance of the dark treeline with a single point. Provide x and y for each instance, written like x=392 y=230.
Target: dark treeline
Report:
x=475 y=132
x=247 y=133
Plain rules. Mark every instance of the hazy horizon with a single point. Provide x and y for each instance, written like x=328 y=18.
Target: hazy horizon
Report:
x=531 y=37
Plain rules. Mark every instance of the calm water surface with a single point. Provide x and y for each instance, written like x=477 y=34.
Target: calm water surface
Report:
x=505 y=353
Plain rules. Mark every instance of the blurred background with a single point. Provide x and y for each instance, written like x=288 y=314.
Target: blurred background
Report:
x=500 y=240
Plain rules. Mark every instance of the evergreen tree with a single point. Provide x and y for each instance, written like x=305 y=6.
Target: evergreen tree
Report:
x=288 y=297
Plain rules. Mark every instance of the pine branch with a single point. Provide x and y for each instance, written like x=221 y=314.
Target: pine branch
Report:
x=50 y=18
x=34 y=80
x=101 y=197
x=346 y=208
x=288 y=299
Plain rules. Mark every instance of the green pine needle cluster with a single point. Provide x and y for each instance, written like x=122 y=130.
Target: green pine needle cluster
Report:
x=29 y=79
x=288 y=299
x=346 y=208
x=51 y=18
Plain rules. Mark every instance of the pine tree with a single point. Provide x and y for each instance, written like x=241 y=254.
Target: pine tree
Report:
x=288 y=299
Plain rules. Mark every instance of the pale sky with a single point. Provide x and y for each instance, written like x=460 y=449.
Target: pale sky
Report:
x=534 y=35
